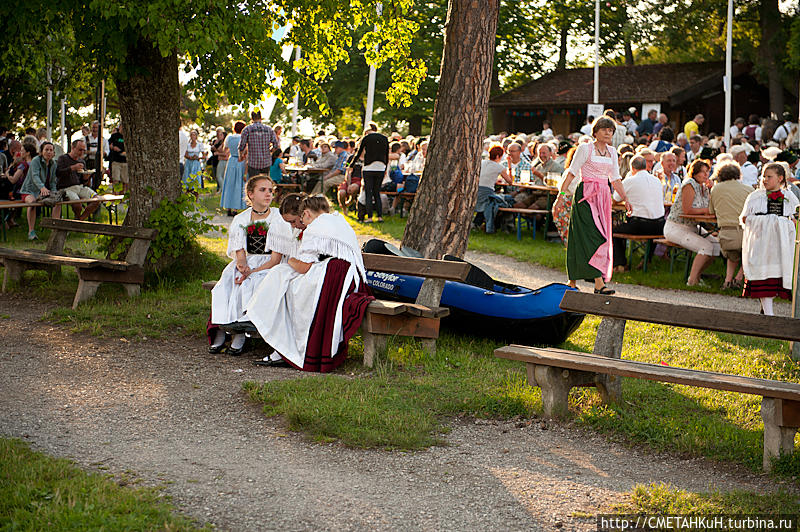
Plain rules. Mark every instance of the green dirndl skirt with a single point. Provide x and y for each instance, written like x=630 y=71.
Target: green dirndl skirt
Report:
x=584 y=239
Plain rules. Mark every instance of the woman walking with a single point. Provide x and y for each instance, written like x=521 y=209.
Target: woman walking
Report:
x=589 y=249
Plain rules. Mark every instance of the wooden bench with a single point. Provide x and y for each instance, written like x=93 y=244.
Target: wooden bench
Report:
x=385 y=319
x=636 y=242
x=556 y=371
x=91 y=271
x=285 y=188
x=406 y=196
x=530 y=218
x=677 y=252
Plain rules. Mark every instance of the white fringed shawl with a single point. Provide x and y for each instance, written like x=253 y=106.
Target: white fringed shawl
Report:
x=280 y=238
x=330 y=234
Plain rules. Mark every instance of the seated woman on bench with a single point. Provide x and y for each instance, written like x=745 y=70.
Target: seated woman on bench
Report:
x=258 y=238
x=309 y=308
x=39 y=183
x=693 y=198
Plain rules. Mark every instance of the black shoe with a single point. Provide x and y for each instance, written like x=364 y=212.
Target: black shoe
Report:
x=214 y=349
x=606 y=291
x=280 y=363
x=237 y=352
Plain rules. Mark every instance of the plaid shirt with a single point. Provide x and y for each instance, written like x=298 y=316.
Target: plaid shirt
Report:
x=341 y=162
x=258 y=137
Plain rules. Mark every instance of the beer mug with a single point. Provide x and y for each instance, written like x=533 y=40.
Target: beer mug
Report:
x=525 y=176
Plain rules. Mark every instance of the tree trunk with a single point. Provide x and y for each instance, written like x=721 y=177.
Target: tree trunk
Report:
x=149 y=106
x=562 y=48
x=442 y=211
x=415 y=125
x=769 y=51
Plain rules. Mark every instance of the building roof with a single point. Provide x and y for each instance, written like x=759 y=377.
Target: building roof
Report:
x=618 y=84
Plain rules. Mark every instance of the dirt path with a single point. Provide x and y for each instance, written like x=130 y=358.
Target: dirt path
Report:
x=172 y=414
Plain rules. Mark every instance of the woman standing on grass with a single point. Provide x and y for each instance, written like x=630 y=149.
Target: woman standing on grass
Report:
x=193 y=169
x=768 y=242
x=232 y=197
x=589 y=249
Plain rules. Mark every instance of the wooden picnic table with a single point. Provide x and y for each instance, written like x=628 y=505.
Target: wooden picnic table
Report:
x=311 y=169
x=107 y=200
x=708 y=218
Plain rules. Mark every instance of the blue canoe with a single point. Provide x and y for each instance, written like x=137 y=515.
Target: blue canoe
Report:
x=484 y=307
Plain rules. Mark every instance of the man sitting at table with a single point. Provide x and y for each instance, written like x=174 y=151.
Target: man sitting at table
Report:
x=336 y=176
x=526 y=198
x=74 y=184
x=644 y=193
x=546 y=163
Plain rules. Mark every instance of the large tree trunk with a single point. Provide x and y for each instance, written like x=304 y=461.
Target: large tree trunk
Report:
x=442 y=211
x=149 y=106
x=769 y=52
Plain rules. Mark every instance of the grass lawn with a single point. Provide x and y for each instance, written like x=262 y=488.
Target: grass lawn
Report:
x=406 y=402
x=38 y=492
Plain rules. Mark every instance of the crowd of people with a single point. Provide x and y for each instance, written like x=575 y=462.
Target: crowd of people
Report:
x=664 y=183
x=34 y=169
x=353 y=172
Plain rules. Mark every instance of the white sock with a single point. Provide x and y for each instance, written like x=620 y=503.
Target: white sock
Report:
x=766 y=304
x=219 y=338
x=238 y=341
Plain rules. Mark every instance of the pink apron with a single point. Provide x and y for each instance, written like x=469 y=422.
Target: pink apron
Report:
x=595 y=174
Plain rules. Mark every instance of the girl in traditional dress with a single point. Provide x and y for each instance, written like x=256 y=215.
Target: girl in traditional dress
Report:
x=258 y=238
x=309 y=309
x=232 y=197
x=589 y=249
x=768 y=242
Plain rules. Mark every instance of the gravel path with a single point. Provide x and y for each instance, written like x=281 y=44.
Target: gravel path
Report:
x=172 y=414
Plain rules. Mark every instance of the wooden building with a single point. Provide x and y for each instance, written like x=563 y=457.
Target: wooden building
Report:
x=682 y=90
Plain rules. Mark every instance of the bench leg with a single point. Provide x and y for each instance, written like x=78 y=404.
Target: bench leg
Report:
x=374 y=346
x=555 y=384
x=13 y=272
x=781 y=419
x=519 y=226
x=610 y=335
x=429 y=345
x=132 y=289
x=86 y=290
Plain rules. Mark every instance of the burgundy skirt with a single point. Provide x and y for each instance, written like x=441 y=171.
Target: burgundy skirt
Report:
x=766 y=288
x=319 y=357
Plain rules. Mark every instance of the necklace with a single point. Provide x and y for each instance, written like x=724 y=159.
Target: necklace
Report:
x=265 y=211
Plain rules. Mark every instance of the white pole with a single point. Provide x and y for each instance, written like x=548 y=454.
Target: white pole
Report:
x=596 y=98
x=49 y=113
x=371 y=83
x=728 y=75
x=296 y=101
x=64 y=124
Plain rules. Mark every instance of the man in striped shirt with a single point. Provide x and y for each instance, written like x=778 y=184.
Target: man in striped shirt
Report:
x=259 y=140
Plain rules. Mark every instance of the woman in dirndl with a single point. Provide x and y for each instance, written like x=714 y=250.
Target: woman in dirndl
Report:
x=589 y=249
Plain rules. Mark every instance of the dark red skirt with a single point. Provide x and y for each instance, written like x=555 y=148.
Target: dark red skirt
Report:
x=319 y=357
x=766 y=288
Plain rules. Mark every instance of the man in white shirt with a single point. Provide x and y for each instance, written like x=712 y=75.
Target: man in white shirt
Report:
x=628 y=121
x=749 y=170
x=695 y=147
x=92 y=141
x=587 y=127
x=737 y=128
x=644 y=193
x=783 y=130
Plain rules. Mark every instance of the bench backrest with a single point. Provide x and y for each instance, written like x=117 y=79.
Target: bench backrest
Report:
x=702 y=318
x=431 y=268
x=137 y=251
